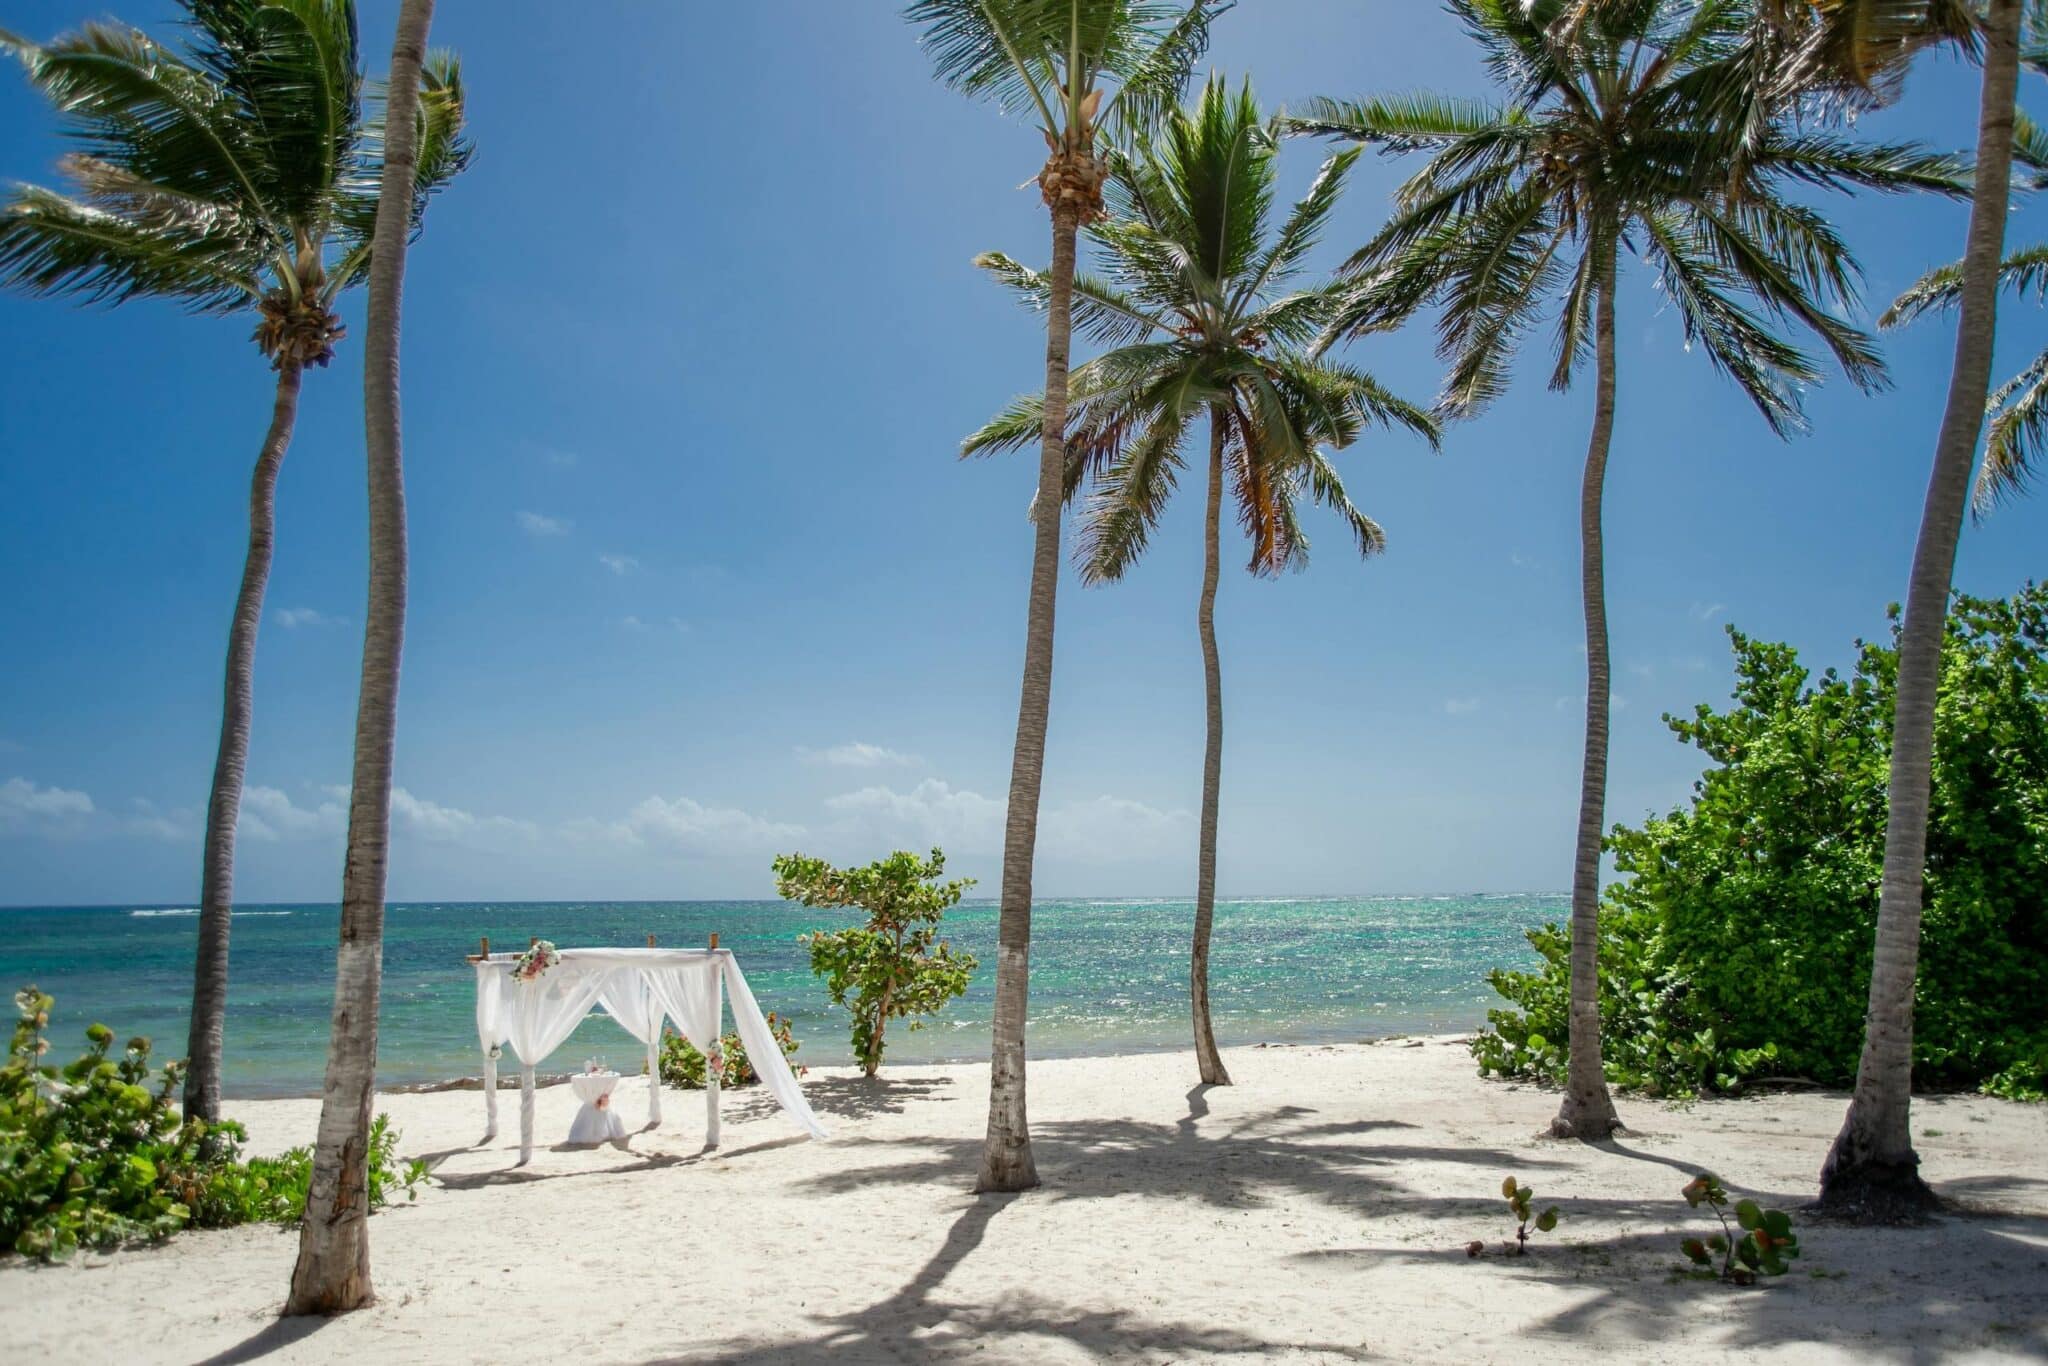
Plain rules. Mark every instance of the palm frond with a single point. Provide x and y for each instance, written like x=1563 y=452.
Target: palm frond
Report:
x=1102 y=313
x=57 y=246
x=2019 y=427
x=1401 y=123
x=2024 y=272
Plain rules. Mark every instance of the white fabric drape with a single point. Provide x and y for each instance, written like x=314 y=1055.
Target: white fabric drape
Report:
x=490 y=995
x=764 y=1053
x=538 y=1015
x=627 y=998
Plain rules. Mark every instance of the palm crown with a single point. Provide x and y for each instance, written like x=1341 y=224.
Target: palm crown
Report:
x=1050 y=60
x=239 y=172
x=1194 y=306
x=1609 y=140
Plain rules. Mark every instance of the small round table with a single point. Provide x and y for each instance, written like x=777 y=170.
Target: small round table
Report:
x=595 y=1122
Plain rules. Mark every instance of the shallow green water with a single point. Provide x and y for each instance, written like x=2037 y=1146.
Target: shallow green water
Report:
x=1107 y=975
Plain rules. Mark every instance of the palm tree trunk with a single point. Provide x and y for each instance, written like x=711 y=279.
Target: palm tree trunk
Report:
x=1872 y=1171
x=1006 y=1161
x=217 y=869
x=333 y=1271
x=1588 y=1109
x=1207 y=1058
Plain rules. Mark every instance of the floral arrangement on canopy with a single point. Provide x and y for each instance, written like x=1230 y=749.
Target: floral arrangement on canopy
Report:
x=535 y=961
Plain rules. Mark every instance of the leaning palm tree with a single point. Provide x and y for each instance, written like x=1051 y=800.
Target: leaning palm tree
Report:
x=234 y=176
x=1605 y=142
x=1051 y=61
x=332 y=1274
x=1202 y=326
x=1872 y=1170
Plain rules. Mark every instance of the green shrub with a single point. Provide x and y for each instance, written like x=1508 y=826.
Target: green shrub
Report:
x=895 y=965
x=92 y=1156
x=1738 y=943
x=682 y=1066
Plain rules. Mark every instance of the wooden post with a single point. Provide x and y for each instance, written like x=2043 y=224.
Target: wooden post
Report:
x=650 y=941
x=483 y=946
x=531 y=940
x=714 y=940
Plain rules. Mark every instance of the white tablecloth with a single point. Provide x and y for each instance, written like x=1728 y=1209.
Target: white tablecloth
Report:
x=595 y=1122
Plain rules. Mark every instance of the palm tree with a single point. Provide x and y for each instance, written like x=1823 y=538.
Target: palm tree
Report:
x=1605 y=141
x=1872 y=1170
x=1051 y=61
x=233 y=177
x=1200 y=328
x=332 y=1274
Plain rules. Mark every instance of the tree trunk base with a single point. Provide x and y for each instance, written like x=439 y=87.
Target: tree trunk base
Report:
x=352 y=1294
x=1586 y=1120
x=1214 y=1073
x=1869 y=1191
x=1008 y=1176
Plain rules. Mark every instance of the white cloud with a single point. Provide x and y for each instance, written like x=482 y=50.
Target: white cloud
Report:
x=293 y=617
x=855 y=754
x=537 y=525
x=1103 y=829
x=449 y=824
x=1461 y=706
x=1707 y=611
x=8 y=746
x=1643 y=670
x=686 y=825
x=268 y=813
x=22 y=802
x=561 y=460
x=621 y=565
x=648 y=628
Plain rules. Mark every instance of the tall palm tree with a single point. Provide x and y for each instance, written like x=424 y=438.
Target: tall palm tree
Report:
x=1606 y=141
x=234 y=176
x=1051 y=61
x=332 y=1274
x=1872 y=1170
x=1195 y=310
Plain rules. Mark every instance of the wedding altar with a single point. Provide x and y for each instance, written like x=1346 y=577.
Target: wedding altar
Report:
x=536 y=1010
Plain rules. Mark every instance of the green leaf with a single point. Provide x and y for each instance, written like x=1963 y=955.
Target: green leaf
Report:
x=1748 y=1214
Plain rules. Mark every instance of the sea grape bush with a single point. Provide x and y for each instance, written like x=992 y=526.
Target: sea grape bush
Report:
x=1766 y=1245
x=682 y=1066
x=1737 y=946
x=895 y=965
x=1520 y=1204
x=92 y=1155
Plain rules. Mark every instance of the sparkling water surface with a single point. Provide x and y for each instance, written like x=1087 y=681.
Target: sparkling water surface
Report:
x=1107 y=976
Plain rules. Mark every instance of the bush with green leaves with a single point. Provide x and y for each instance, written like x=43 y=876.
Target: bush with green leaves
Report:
x=683 y=1067
x=92 y=1155
x=1737 y=945
x=895 y=965
x=1766 y=1245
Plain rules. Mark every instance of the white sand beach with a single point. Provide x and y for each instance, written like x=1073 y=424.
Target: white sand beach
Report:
x=1316 y=1211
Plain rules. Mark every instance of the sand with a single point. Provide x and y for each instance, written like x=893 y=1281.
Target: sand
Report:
x=1316 y=1211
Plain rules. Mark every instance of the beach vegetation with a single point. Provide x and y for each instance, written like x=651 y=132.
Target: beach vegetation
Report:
x=1760 y=1243
x=1077 y=70
x=1605 y=143
x=1207 y=323
x=894 y=966
x=95 y=1153
x=684 y=1068
x=233 y=175
x=1737 y=944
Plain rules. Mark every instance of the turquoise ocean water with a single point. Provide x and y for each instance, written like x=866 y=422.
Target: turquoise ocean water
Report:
x=1107 y=975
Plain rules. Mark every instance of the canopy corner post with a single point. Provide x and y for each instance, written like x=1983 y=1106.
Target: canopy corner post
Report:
x=711 y=1074
x=483 y=950
x=650 y=939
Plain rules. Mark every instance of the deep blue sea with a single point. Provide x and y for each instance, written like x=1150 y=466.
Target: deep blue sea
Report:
x=1107 y=976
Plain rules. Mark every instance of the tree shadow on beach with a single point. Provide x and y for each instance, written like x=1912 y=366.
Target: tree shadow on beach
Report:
x=913 y=1324
x=851 y=1099
x=274 y=1336
x=1226 y=1163
x=1912 y=1295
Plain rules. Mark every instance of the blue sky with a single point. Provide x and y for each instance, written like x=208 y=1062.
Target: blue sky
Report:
x=696 y=576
